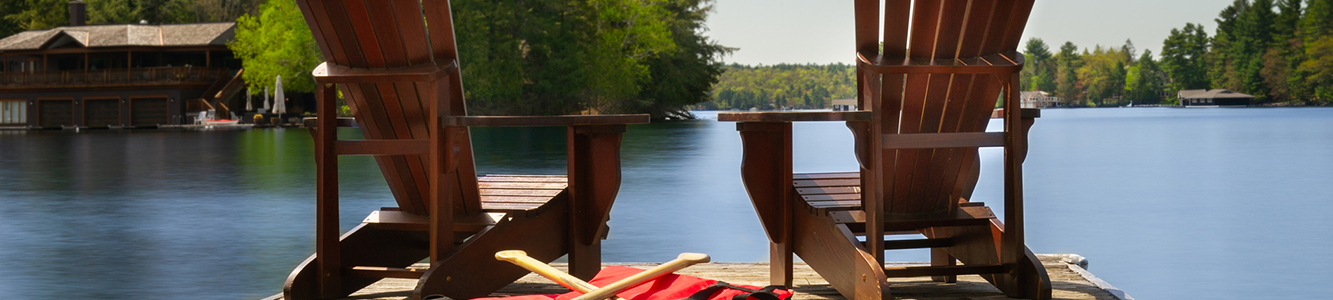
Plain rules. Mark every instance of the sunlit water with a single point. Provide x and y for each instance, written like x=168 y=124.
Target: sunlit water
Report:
x=1165 y=203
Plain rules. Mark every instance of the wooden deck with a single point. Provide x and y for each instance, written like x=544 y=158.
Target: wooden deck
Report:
x=1069 y=281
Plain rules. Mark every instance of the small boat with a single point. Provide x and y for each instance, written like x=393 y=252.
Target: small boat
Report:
x=221 y=122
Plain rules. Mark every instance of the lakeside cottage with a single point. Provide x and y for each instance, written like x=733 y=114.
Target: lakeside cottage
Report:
x=1038 y=99
x=1213 y=98
x=844 y=104
x=119 y=75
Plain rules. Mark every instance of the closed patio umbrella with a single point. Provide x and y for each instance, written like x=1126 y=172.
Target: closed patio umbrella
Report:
x=279 y=105
x=265 y=109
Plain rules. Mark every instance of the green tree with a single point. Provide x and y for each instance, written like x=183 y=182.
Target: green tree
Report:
x=1128 y=51
x=9 y=26
x=277 y=42
x=166 y=11
x=1319 y=68
x=1254 y=34
x=685 y=76
x=1285 y=54
x=1102 y=75
x=1039 y=70
x=1222 y=58
x=1066 y=79
x=113 y=12
x=1145 y=80
x=40 y=14
x=1183 y=58
x=1317 y=22
x=557 y=57
x=782 y=85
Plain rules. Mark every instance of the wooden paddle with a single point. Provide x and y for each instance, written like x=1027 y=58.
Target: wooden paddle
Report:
x=591 y=292
x=610 y=290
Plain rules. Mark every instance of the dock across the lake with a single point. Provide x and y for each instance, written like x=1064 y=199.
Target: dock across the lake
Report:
x=1068 y=279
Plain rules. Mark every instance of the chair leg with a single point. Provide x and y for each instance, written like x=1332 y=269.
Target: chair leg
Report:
x=940 y=257
x=977 y=245
x=1029 y=279
x=780 y=259
x=362 y=246
x=833 y=252
x=472 y=271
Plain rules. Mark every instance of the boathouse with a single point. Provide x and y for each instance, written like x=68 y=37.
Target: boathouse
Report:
x=844 y=104
x=122 y=75
x=1038 y=99
x=1213 y=98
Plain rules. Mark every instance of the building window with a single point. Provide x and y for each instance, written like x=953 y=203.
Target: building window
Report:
x=13 y=112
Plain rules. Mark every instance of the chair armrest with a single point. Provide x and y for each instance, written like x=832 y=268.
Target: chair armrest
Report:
x=327 y=72
x=795 y=116
x=312 y=122
x=536 y=121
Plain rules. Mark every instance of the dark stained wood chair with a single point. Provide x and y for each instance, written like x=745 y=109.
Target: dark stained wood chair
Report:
x=397 y=66
x=924 y=102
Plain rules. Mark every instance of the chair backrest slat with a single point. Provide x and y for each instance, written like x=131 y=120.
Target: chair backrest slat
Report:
x=391 y=34
x=930 y=181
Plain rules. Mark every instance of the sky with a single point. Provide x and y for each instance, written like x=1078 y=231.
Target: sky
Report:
x=820 y=31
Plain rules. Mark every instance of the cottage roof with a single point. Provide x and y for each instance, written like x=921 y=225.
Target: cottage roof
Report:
x=1212 y=94
x=122 y=35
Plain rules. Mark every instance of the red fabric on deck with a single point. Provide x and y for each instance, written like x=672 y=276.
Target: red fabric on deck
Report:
x=669 y=287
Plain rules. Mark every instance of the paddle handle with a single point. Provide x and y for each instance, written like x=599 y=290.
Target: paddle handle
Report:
x=521 y=258
x=610 y=290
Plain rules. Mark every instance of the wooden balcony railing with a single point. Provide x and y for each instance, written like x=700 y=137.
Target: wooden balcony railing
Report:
x=157 y=75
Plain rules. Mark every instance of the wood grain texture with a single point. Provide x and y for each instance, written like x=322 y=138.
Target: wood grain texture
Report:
x=766 y=172
x=944 y=140
x=929 y=91
x=397 y=65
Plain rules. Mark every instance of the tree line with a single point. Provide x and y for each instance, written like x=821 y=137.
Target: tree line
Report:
x=22 y=15
x=779 y=86
x=534 y=57
x=529 y=57
x=1280 y=51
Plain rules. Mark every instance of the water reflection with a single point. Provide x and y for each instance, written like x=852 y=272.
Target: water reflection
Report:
x=1226 y=196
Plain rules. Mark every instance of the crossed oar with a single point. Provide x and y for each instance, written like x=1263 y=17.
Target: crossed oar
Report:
x=592 y=292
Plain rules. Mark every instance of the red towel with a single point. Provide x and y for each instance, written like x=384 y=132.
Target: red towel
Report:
x=668 y=287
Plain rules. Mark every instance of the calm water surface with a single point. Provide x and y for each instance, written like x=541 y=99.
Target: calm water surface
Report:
x=1165 y=203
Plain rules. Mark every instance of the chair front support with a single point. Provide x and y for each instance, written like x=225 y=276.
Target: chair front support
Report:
x=766 y=163
x=593 y=183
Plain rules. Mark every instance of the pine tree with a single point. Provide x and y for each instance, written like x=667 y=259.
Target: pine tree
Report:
x=1066 y=79
x=1254 y=32
x=1222 y=58
x=1144 y=80
x=1183 y=58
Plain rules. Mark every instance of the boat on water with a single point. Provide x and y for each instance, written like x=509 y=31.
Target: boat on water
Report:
x=221 y=122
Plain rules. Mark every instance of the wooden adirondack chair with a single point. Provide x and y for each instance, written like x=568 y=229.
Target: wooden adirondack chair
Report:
x=397 y=65
x=925 y=103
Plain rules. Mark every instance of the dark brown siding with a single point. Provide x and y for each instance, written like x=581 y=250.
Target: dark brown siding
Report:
x=149 y=111
x=101 y=112
x=55 y=113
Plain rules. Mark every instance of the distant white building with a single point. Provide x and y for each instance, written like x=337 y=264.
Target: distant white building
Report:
x=844 y=104
x=1038 y=99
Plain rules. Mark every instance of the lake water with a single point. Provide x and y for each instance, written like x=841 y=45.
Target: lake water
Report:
x=1165 y=203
